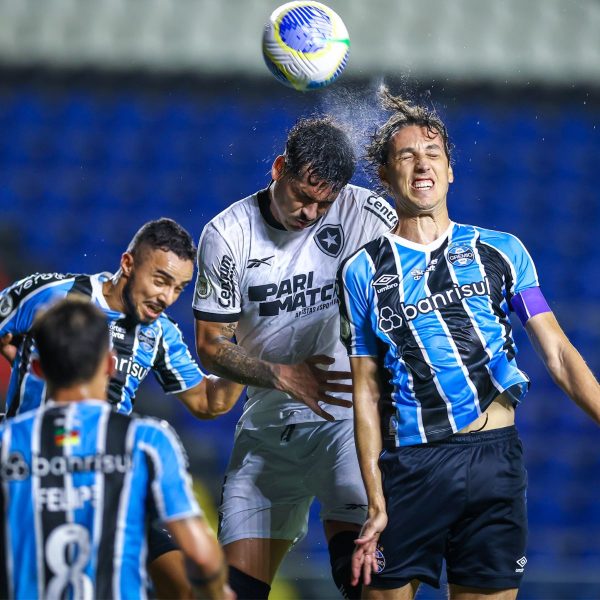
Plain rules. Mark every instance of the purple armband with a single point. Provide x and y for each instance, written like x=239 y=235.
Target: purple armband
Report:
x=528 y=303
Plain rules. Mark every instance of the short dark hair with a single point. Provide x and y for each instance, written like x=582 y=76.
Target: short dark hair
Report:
x=72 y=338
x=164 y=234
x=404 y=114
x=320 y=145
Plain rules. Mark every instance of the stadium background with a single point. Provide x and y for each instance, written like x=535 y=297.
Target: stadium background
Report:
x=116 y=112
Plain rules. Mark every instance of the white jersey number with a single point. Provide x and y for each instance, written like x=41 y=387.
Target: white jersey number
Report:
x=69 y=540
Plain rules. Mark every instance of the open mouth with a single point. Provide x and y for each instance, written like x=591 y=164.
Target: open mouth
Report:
x=153 y=310
x=422 y=184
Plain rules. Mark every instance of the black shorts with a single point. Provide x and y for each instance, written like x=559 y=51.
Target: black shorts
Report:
x=160 y=540
x=462 y=499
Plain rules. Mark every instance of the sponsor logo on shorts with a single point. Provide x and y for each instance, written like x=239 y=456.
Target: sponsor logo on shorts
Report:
x=521 y=562
x=460 y=255
x=379 y=559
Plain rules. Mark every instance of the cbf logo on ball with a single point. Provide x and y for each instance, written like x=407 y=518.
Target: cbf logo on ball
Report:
x=461 y=256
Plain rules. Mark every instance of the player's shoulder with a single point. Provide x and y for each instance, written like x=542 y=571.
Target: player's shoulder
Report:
x=152 y=428
x=503 y=241
x=243 y=210
x=364 y=257
x=357 y=198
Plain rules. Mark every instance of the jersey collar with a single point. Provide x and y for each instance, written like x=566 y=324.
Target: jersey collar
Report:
x=421 y=247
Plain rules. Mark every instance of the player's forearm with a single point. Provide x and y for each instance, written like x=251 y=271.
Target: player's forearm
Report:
x=574 y=377
x=221 y=394
x=233 y=362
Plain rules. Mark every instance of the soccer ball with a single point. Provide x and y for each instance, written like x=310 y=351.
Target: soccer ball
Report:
x=305 y=45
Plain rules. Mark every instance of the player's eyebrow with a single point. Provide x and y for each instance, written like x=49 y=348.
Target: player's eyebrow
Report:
x=412 y=149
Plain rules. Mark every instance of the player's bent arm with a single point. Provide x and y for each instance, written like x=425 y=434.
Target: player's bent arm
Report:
x=212 y=397
x=207 y=568
x=304 y=381
x=225 y=358
x=564 y=363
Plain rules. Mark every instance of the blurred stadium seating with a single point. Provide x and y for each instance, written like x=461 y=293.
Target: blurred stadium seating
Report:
x=116 y=112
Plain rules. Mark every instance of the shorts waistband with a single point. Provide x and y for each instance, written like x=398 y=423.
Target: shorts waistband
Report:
x=479 y=437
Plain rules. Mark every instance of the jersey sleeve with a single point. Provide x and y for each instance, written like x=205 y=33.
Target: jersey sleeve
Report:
x=170 y=483
x=174 y=366
x=356 y=296
x=377 y=215
x=217 y=292
x=20 y=302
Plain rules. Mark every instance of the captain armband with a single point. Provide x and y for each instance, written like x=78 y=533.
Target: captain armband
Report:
x=528 y=303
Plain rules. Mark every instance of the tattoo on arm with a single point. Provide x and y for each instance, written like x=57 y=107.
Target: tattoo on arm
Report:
x=232 y=362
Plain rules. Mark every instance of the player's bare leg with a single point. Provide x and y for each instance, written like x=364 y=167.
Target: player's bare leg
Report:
x=406 y=592
x=169 y=577
x=254 y=561
x=460 y=592
x=340 y=540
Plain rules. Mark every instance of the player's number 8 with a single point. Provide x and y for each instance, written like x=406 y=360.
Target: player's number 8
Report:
x=73 y=539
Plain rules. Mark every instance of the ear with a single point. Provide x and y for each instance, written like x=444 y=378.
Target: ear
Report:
x=278 y=168
x=126 y=263
x=450 y=174
x=36 y=368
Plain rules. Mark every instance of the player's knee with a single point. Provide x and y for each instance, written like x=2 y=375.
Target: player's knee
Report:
x=341 y=547
x=247 y=587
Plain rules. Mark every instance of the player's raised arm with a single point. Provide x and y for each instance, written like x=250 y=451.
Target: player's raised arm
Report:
x=303 y=381
x=564 y=363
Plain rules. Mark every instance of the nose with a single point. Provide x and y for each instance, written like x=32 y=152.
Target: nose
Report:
x=310 y=212
x=167 y=296
x=422 y=164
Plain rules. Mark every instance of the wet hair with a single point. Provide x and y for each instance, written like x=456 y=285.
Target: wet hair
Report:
x=404 y=114
x=163 y=234
x=72 y=338
x=320 y=145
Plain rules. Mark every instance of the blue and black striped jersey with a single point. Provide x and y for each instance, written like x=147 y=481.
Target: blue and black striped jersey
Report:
x=437 y=318
x=140 y=348
x=76 y=482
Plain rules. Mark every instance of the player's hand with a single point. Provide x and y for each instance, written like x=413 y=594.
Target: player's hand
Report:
x=364 y=560
x=7 y=349
x=309 y=384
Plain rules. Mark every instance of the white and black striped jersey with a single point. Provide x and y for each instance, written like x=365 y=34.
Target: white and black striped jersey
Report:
x=279 y=286
x=140 y=348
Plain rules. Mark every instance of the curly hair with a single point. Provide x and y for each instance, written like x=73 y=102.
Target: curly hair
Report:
x=404 y=114
x=320 y=145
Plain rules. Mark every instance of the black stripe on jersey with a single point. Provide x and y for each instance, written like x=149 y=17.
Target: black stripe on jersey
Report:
x=165 y=376
x=124 y=350
x=82 y=285
x=434 y=411
x=52 y=426
x=470 y=349
x=14 y=403
x=115 y=445
x=501 y=280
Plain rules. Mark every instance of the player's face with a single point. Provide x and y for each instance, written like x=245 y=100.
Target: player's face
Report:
x=155 y=279
x=297 y=203
x=417 y=172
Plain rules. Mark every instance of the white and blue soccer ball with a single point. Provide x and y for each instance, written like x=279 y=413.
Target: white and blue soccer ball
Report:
x=305 y=45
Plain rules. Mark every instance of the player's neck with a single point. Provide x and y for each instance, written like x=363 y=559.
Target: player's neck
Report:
x=76 y=393
x=112 y=290
x=423 y=229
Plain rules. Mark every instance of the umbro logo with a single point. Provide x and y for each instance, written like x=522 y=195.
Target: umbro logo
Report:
x=386 y=282
x=254 y=263
x=521 y=562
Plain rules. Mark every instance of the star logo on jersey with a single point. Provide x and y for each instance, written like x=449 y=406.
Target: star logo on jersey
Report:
x=254 y=263
x=330 y=239
x=461 y=255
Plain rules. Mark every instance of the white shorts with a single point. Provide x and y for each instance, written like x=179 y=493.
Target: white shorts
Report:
x=275 y=473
